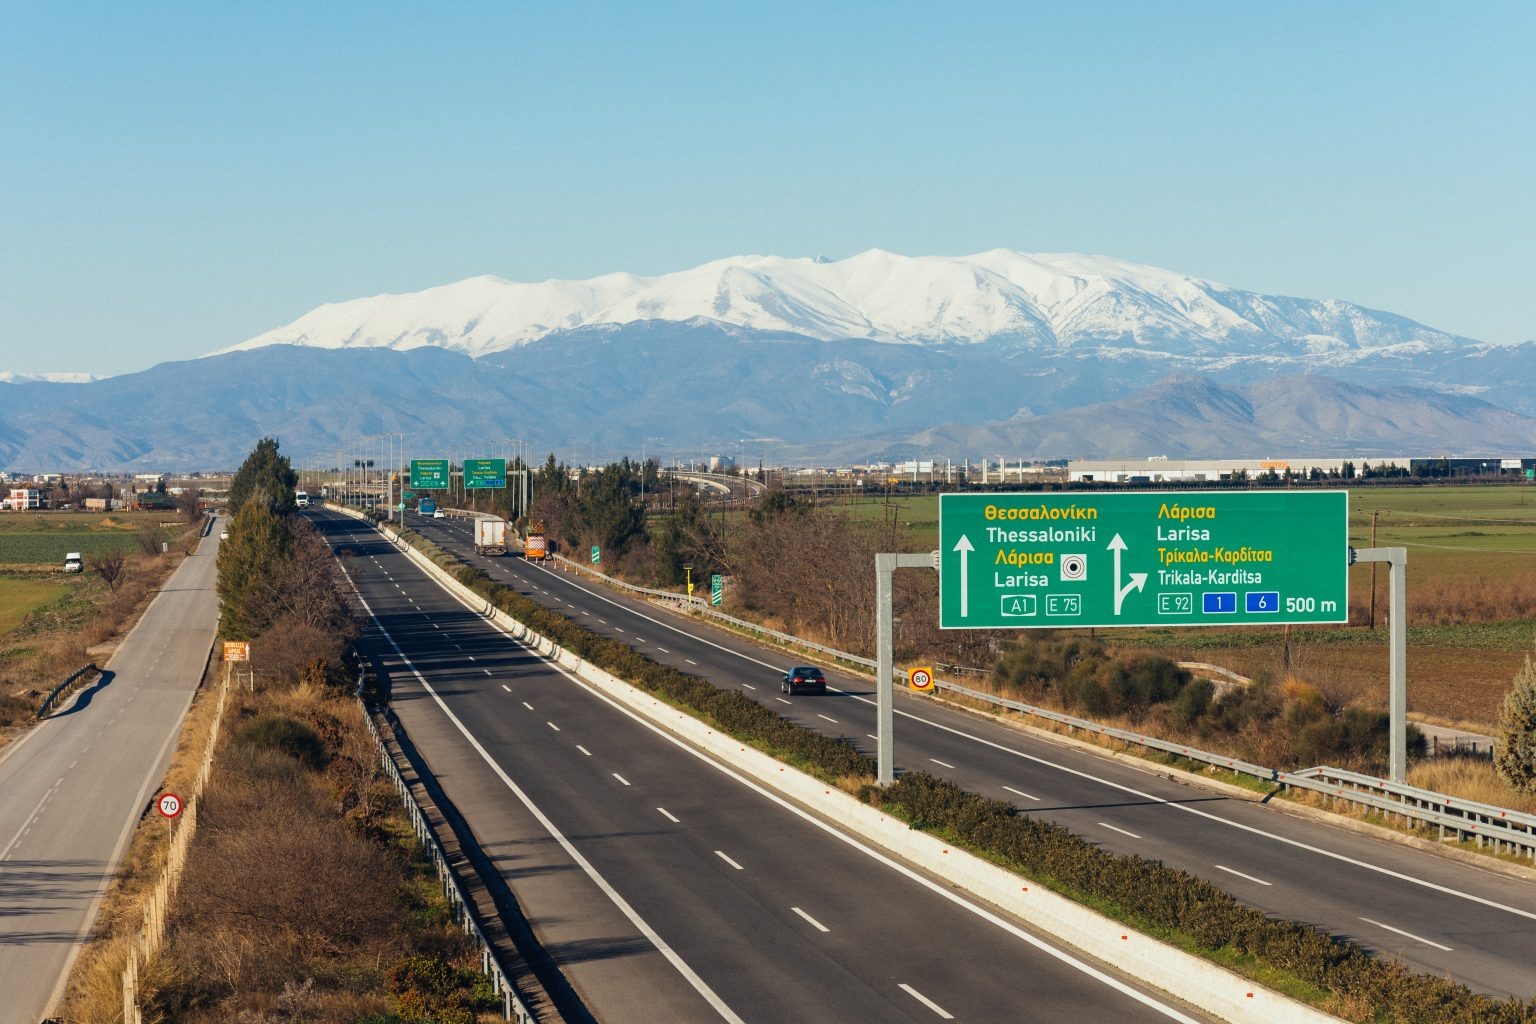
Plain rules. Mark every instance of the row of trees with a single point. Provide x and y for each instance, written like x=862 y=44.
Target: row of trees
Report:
x=278 y=582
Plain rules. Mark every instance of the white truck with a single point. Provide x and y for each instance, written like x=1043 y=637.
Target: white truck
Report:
x=72 y=562
x=490 y=536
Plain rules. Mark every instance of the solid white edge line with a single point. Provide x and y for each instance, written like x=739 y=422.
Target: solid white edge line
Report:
x=1252 y=830
x=935 y=1007
x=814 y=923
x=1114 y=828
x=1230 y=871
x=677 y=962
x=722 y=856
x=1410 y=935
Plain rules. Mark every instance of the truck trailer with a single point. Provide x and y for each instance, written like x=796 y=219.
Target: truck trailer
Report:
x=490 y=536
x=534 y=545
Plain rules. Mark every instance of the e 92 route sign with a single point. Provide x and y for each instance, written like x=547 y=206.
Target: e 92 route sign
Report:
x=1167 y=558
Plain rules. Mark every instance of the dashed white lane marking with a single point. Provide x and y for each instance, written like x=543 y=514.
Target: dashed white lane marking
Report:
x=935 y=1007
x=471 y=657
x=639 y=639
x=872 y=736
x=663 y=650
x=814 y=923
x=1409 y=935
x=1122 y=831
x=621 y=778
x=781 y=700
x=584 y=750
x=722 y=856
x=832 y=720
x=941 y=764
x=527 y=705
x=690 y=661
x=1239 y=874
x=504 y=686
x=553 y=726
x=668 y=815
x=486 y=671
x=748 y=686
x=1020 y=792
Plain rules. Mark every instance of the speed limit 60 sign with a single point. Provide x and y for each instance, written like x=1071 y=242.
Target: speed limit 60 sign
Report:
x=169 y=805
x=920 y=679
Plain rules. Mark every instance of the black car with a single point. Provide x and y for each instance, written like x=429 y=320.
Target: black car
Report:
x=803 y=677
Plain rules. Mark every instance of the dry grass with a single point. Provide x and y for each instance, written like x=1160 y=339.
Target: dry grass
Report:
x=1470 y=778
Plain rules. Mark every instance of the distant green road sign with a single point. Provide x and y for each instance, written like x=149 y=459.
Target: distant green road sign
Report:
x=716 y=589
x=597 y=555
x=485 y=474
x=1171 y=558
x=429 y=474
x=407 y=495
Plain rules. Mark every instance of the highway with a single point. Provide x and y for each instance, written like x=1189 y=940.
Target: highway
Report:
x=668 y=887
x=1439 y=915
x=75 y=786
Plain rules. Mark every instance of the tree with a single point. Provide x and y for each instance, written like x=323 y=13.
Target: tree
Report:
x=1515 y=760
x=264 y=475
x=111 y=565
x=250 y=567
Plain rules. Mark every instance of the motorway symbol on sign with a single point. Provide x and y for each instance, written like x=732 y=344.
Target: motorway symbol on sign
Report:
x=485 y=474
x=920 y=679
x=597 y=554
x=1184 y=558
x=169 y=805
x=429 y=474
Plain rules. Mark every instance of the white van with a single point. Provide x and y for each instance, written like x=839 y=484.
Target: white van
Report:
x=72 y=562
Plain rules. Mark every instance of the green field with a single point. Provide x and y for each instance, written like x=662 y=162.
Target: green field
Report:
x=19 y=597
x=32 y=538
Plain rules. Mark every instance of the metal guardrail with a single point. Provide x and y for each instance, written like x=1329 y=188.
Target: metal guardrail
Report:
x=512 y=1008
x=1507 y=830
x=57 y=693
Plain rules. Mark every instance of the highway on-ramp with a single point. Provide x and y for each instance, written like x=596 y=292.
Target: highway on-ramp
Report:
x=72 y=789
x=1439 y=915
x=666 y=886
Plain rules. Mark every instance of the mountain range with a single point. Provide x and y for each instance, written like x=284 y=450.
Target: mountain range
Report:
x=873 y=357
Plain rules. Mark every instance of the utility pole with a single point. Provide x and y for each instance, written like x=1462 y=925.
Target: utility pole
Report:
x=1374 y=514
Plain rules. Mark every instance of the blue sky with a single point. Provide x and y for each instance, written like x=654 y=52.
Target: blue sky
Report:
x=175 y=178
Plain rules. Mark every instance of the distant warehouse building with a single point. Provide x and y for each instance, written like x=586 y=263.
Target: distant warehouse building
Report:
x=1159 y=469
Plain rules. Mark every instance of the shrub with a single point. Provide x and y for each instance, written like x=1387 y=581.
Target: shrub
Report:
x=281 y=733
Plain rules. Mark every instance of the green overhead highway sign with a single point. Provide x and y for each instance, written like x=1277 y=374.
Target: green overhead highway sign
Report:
x=429 y=474
x=486 y=474
x=1186 y=558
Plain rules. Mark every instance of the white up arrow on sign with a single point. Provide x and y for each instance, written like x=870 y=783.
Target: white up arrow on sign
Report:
x=963 y=545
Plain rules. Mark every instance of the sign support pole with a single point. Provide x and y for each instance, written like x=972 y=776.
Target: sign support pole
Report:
x=1397 y=645
x=885 y=685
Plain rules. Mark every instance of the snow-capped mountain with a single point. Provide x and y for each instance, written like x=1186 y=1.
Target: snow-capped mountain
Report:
x=1047 y=303
x=9 y=377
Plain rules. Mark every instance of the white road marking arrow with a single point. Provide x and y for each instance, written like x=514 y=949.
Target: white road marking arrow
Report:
x=1138 y=579
x=963 y=545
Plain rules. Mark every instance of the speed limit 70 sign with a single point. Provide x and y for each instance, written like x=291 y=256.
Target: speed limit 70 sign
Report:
x=920 y=679
x=169 y=805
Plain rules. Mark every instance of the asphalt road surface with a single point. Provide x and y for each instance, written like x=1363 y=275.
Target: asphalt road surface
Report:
x=1440 y=916
x=72 y=789
x=667 y=887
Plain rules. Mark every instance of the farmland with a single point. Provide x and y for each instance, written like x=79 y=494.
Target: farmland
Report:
x=1471 y=601
x=43 y=538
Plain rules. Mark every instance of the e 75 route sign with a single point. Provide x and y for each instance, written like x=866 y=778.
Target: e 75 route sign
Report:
x=1168 y=558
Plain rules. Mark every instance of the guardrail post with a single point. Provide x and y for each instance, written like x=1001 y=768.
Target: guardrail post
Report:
x=1397 y=646
x=885 y=686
